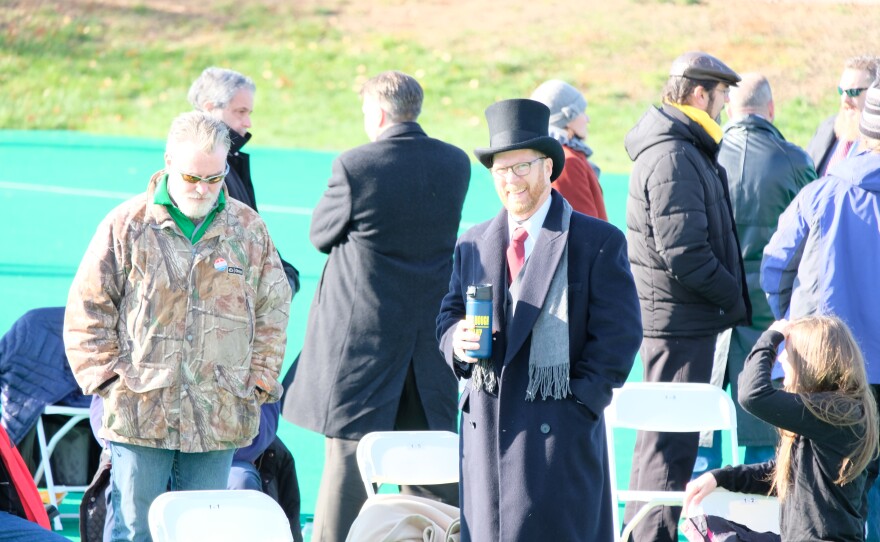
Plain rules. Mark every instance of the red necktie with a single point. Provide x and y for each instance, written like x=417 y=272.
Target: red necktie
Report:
x=516 y=253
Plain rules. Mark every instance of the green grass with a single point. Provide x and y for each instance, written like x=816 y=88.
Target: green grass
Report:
x=123 y=68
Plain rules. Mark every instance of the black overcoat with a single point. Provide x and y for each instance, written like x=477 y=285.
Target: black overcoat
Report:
x=538 y=470
x=388 y=220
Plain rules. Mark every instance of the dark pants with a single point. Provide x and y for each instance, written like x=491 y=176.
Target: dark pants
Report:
x=751 y=431
x=342 y=493
x=664 y=461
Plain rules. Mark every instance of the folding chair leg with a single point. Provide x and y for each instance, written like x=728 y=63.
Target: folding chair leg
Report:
x=643 y=511
x=46 y=469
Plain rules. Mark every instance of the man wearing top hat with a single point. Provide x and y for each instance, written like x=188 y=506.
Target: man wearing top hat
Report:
x=565 y=330
x=685 y=258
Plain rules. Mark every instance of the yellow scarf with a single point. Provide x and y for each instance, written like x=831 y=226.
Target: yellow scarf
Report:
x=702 y=118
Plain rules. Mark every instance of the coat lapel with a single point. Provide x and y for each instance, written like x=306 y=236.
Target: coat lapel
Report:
x=538 y=275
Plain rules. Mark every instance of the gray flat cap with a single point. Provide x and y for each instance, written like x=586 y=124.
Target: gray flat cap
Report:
x=698 y=65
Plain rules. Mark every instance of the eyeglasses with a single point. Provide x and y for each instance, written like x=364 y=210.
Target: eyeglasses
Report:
x=520 y=170
x=213 y=179
x=851 y=92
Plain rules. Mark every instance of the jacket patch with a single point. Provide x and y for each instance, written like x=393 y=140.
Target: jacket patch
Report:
x=236 y=270
x=220 y=264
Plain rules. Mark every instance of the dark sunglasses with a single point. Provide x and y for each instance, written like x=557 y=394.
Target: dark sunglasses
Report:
x=213 y=179
x=851 y=92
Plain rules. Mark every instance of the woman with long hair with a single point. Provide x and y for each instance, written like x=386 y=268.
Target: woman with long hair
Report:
x=828 y=427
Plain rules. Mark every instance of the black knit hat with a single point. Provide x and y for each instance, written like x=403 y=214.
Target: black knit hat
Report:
x=520 y=124
x=869 y=125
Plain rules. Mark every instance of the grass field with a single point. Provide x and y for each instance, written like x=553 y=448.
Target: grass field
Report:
x=122 y=67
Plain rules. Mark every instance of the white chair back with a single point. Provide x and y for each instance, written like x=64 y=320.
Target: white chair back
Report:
x=407 y=458
x=757 y=512
x=218 y=516
x=665 y=407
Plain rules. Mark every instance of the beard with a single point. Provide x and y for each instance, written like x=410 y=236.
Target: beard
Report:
x=846 y=125
x=195 y=207
x=527 y=205
x=710 y=106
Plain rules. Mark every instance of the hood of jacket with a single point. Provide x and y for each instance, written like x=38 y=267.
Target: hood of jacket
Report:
x=666 y=124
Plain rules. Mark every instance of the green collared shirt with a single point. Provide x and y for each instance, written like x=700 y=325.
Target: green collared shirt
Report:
x=192 y=231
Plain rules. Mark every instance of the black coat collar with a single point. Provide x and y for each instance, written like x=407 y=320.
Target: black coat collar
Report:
x=402 y=129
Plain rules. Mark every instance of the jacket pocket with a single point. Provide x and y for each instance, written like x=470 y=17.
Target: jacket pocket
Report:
x=135 y=407
x=235 y=415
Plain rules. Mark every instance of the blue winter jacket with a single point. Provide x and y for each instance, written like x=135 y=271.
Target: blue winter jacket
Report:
x=825 y=254
x=34 y=371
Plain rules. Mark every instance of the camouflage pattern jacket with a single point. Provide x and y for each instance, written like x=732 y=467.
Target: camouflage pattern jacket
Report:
x=183 y=341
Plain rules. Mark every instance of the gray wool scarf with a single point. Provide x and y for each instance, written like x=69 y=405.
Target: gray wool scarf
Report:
x=549 y=351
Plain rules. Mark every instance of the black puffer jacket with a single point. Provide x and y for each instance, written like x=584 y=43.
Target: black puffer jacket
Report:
x=683 y=249
x=765 y=173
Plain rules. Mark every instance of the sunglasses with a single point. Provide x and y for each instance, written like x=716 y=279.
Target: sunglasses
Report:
x=213 y=179
x=851 y=92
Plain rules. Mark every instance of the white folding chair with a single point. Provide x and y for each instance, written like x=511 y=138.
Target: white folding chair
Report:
x=407 y=458
x=76 y=415
x=241 y=515
x=664 y=407
x=757 y=512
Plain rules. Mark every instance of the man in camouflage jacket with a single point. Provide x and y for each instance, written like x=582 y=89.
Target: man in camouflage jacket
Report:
x=177 y=317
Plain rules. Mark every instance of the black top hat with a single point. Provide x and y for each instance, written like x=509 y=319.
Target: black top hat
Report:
x=520 y=124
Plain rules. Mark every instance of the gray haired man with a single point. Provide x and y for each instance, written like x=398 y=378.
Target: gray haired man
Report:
x=177 y=318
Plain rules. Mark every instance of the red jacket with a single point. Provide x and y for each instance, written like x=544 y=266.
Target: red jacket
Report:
x=22 y=483
x=579 y=184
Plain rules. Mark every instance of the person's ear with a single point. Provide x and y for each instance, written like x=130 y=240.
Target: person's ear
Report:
x=209 y=106
x=167 y=160
x=771 y=111
x=548 y=167
x=700 y=97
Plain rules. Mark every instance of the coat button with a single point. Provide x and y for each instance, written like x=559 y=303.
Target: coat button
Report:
x=474 y=425
x=721 y=312
x=545 y=428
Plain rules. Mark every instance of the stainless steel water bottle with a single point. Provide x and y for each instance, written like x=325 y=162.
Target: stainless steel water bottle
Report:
x=478 y=311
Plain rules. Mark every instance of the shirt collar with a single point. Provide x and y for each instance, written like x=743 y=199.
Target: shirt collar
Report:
x=532 y=224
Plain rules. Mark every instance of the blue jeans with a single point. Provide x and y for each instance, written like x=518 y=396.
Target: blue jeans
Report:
x=14 y=528
x=244 y=475
x=141 y=474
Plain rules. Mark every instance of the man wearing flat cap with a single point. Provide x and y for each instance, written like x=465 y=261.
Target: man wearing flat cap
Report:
x=686 y=260
x=565 y=330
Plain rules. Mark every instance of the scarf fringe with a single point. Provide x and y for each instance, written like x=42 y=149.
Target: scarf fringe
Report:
x=484 y=376
x=550 y=381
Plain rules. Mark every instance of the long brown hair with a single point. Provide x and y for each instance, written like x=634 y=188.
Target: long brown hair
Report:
x=829 y=376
